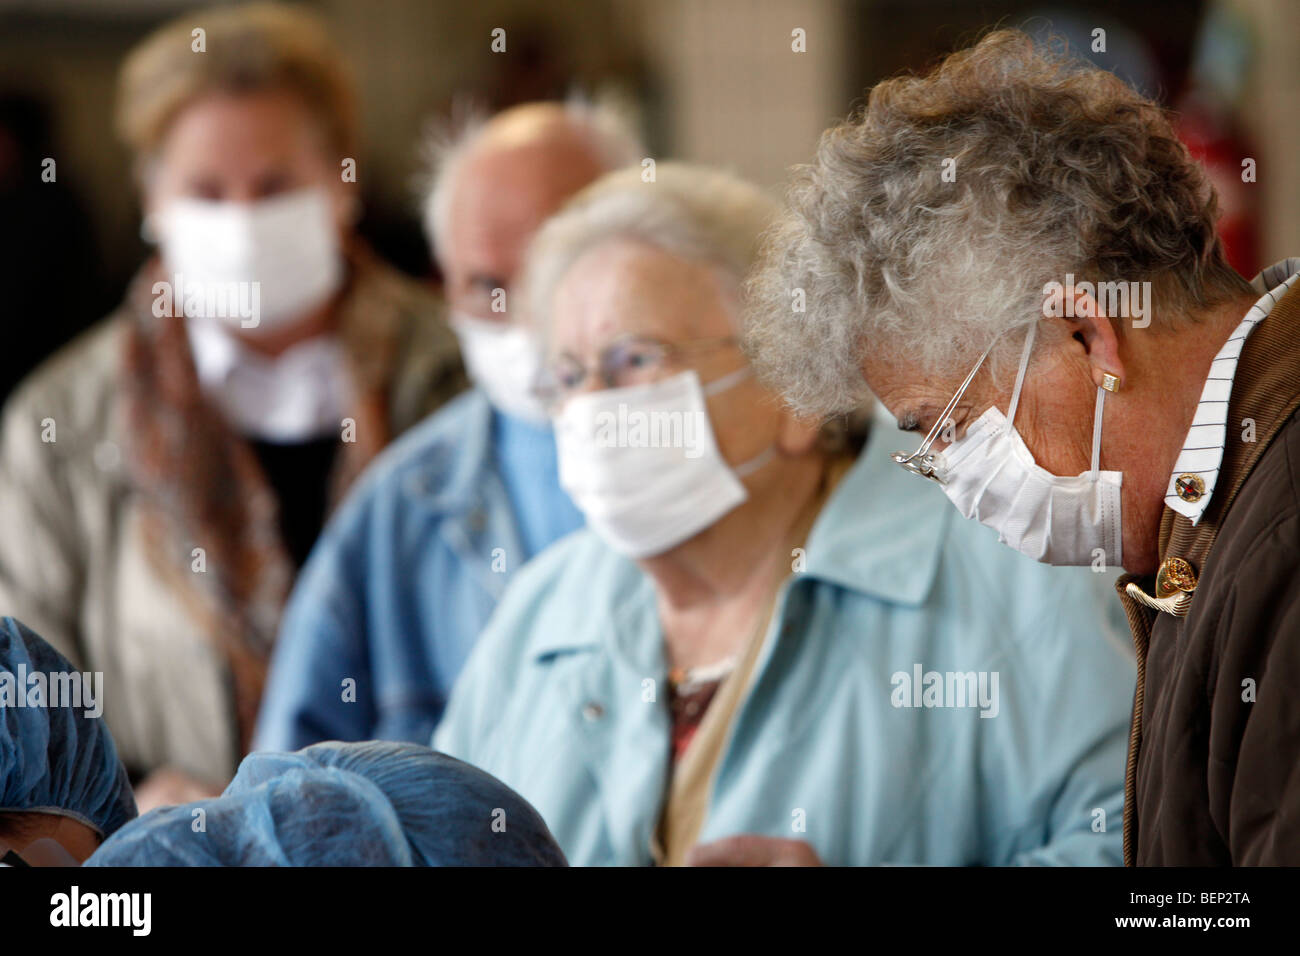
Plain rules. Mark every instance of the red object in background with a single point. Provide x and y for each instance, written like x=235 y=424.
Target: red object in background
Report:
x=1213 y=139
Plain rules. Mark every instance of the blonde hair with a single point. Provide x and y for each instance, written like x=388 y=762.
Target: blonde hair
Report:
x=261 y=46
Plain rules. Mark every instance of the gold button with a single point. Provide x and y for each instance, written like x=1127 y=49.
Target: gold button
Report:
x=1190 y=487
x=1175 y=575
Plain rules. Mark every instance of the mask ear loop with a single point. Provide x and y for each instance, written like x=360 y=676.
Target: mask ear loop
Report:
x=720 y=385
x=1096 y=434
x=1096 y=414
x=1020 y=375
x=746 y=468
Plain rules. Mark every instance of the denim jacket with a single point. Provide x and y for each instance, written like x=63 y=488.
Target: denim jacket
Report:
x=401 y=582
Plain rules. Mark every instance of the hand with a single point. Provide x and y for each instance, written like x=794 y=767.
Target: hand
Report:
x=750 y=849
x=167 y=786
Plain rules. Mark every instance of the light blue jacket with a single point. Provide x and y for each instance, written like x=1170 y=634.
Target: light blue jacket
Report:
x=406 y=575
x=553 y=700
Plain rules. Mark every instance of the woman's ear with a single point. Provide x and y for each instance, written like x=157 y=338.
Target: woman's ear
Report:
x=346 y=202
x=1096 y=333
x=796 y=437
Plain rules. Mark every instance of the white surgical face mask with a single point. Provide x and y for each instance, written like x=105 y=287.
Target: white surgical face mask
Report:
x=642 y=464
x=991 y=476
x=258 y=265
x=503 y=359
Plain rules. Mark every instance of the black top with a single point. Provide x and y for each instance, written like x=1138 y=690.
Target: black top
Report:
x=299 y=473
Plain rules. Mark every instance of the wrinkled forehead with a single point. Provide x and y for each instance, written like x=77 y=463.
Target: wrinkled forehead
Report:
x=621 y=286
x=915 y=397
x=241 y=132
x=502 y=196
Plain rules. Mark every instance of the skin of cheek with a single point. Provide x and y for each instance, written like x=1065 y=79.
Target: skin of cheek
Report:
x=745 y=421
x=1055 y=422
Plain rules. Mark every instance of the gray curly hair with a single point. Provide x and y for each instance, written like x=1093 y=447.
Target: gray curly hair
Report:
x=1059 y=168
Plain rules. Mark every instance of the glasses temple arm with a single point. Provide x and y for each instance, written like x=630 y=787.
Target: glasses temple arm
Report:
x=952 y=403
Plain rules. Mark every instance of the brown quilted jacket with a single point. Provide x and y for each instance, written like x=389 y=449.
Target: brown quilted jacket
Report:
x=1214 y=759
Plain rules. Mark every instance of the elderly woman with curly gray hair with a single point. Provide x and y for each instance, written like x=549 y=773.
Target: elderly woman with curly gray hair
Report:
x=1018 y=257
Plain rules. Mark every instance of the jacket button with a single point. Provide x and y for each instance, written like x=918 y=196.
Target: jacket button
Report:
x=593 y=711
x=1189 y=487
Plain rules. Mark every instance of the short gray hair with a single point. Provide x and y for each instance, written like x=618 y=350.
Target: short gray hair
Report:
x=613 y=142
x=1059 y=167
x=700 y=214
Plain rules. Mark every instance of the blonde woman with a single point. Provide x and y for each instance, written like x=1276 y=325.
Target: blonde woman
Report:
x=162 y=477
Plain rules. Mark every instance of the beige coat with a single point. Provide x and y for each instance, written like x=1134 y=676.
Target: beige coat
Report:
x=112 y=472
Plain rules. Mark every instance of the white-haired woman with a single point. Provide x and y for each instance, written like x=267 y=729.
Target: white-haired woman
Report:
x=1016 y=205
x=715 y=671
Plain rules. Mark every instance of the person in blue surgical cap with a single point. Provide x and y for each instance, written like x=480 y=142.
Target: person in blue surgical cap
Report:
x=62 y=787
x=376 y=803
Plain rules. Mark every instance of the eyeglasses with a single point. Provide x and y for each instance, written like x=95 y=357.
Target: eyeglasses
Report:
x=922 y=461
x=631 y=360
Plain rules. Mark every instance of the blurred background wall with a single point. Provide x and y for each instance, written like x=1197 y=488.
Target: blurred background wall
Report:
x=717 y=81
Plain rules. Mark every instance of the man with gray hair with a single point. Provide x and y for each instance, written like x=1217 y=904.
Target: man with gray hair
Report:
x=404 y=578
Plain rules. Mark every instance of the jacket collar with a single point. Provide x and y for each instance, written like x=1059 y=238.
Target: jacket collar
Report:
x=1202 y=455
x=1267 y=393
x=626 y=614
x=451 y=479
x=457 y=480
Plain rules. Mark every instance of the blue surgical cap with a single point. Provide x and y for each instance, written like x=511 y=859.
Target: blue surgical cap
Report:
x=303 y=817
x=344 y=804
x=53 y=757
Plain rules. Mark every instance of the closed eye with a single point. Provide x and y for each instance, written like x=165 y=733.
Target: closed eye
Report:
x=909 y=422
x=922 y=420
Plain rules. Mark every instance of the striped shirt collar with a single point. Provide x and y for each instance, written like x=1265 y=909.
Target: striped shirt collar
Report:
x=1197 y=470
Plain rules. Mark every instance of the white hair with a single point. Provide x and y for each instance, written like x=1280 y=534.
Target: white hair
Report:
x=930 y=222
x=700 y=214
x=613 y=142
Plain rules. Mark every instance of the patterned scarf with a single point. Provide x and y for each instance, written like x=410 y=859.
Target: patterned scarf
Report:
x=201 y=486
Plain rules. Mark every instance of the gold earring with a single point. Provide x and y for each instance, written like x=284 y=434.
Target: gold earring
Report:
x=1109 y=382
